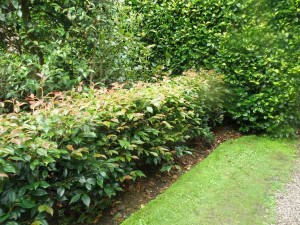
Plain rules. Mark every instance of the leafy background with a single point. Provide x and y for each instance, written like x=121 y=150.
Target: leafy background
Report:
x=254 y=44
x=93 y=90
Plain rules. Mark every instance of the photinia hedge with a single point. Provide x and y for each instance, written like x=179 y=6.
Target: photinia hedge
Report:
x=80 y=147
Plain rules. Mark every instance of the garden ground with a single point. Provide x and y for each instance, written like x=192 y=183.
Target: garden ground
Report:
x=236 y=184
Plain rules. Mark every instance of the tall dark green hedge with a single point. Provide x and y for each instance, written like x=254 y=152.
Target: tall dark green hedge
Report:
x=254 y=44
x=261 y=62
x=184 y=34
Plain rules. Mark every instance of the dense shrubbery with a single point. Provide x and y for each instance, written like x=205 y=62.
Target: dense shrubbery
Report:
x=82 y=146
x=260 y=61
x=253 y=43
x=55 y=45
x=183 y=34
x=78 y=146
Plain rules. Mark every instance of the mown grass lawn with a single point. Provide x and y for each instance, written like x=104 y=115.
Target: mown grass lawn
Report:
x=236 y=184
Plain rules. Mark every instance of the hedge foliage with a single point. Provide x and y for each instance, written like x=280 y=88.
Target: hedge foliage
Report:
x=184 y=34
x=255 y=44
x=54 y=45
x=80 y=147
x=261 y=62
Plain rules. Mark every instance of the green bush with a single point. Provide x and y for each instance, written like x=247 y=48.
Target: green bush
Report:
x=55 y=45
x=253 y=43
x=80 y=147
x=260 y=62
x=184 y=34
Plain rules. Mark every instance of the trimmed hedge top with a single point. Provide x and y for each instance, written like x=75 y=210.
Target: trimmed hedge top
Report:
x=82 y=146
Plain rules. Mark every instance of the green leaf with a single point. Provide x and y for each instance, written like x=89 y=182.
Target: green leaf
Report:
x=2 y=17
x=12 y=195
x=139 y=173
x=27 y=203
x=169 y=126
x=154 y=154
x=39 y=192
x=42 y=152
x=75 y=198
x=103 y=174
x=138 y=142
x=18 y=159
x=9 y=168
x=8 y=151
x=91 y=181
x=34 y=164
x=44 y=184
x=109 y=191
x=27 y=158
x=37 y=222
x=4 y=217
x=100 y=181
x=111 y=152
x=150 y=109
x=48 y=160
x=89 y=134
x=48 y=209
x=88 y=186
x=124 y=143
x=15 y=3
x=86 y=200
x=19 y=12
x=60 y=191
x=22 y=191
